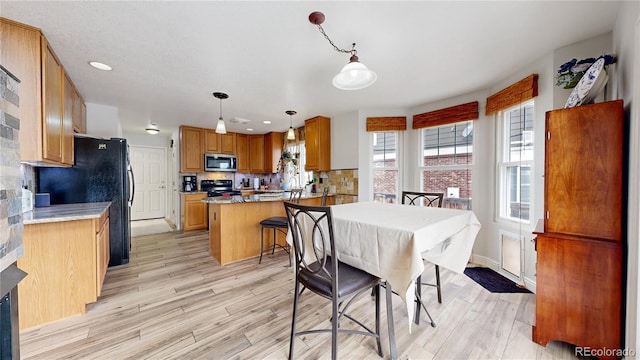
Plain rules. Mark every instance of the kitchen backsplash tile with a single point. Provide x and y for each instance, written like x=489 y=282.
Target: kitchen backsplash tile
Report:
x=11 y=226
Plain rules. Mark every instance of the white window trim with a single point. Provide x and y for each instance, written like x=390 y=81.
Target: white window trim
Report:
x=422 y=168
x=501 y=154
x=397 y=168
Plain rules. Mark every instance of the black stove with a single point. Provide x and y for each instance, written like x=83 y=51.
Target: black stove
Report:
x=216 y=188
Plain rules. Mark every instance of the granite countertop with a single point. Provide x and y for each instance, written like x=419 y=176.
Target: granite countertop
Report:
x=192 y=192
x=67 y=212
x=236 y=199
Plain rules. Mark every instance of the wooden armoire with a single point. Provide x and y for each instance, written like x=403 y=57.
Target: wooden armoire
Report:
x=579 y=287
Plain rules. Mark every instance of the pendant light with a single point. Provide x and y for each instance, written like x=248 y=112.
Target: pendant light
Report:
x=291 y=134
x=220 y=127
x=354 y=75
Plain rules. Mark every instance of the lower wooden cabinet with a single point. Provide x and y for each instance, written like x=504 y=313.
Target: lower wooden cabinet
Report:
x=579 y=291
x=194 y=212
x=65 y=262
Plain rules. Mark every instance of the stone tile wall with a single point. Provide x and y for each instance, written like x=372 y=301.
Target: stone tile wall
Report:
x=11 y=227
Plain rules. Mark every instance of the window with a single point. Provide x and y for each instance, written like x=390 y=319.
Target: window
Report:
x=515 y=161
x=446 y=159
x=293 y=176
x=385 y=166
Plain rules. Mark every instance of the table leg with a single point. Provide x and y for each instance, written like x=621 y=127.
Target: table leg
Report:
x=392 y=331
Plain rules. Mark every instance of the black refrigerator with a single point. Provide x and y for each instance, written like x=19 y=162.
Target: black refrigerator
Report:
x=101 y=172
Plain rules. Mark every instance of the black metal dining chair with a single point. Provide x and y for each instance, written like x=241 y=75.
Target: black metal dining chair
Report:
x=318 y=270
x=277 y=223
x=431 y=199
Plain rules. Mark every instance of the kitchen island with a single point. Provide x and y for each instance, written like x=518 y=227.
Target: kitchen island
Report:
x=234 y=224
x=66 y=253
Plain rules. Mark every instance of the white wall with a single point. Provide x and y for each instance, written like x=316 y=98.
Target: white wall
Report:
x=626 y=44
x=103 y=121
x=344 y=144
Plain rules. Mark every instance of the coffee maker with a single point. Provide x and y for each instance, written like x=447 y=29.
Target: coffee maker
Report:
x=189 y=184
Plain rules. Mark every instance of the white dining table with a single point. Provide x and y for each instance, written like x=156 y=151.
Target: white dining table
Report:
x=391 y=240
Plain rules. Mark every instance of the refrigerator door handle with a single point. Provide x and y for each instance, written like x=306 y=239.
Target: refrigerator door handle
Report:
x=132 y=185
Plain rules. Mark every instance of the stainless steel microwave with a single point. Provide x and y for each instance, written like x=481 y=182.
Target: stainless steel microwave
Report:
x=220 y=162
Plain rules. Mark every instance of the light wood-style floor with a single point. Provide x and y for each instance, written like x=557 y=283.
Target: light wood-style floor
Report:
x=173 y=301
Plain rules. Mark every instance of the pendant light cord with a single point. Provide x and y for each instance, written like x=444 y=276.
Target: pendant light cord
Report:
x=352 y=51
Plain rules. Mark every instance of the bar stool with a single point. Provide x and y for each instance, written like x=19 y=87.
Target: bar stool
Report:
x=278 y=223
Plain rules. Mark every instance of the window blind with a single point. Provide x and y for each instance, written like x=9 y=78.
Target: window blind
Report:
x=450 y=115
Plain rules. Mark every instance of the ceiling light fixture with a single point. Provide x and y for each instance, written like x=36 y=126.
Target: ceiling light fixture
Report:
x=220 y=127
x=152 y=129
x=354 y=75
x=291 y=134
x=100 y=66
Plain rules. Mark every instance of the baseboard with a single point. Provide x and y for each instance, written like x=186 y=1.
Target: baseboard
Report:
x=495 y=266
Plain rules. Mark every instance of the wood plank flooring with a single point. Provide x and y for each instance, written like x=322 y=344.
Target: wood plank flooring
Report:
x=174 y=301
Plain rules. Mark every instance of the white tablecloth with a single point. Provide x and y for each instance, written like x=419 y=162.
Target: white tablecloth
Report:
x=390 y=241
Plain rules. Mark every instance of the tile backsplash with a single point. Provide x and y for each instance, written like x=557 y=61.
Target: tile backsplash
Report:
x=11 y=226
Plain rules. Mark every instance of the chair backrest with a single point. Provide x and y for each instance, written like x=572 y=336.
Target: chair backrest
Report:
x=422 y=198
x=295 y=195
x=311 y=228
x=325 y=192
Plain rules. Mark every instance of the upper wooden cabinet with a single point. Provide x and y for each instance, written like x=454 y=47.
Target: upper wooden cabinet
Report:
x=79 y=114
x=228 y=143
x=256 y=153
x=220 y=143
x=584 y=169
x=191 y=149
x=273 y=143
x=211 y=142
x=45 y=126
x=318 y=143
x=67 y=121
x=242 y=152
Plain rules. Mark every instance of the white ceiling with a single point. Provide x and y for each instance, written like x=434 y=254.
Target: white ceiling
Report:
x=170 y=56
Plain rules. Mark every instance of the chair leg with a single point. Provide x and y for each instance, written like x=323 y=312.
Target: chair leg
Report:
x=273 y=249
x=335 y=319
x=293 y=320
x=261 y=244
x=377 y=291
x=418 y=301
x=438 y=284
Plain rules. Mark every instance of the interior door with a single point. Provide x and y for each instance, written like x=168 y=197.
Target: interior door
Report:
x=149 y=167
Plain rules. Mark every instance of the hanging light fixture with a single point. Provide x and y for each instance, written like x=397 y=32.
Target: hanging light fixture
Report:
x=152 y=129
x=291 y=134
x=354 y=75
x=220 y=127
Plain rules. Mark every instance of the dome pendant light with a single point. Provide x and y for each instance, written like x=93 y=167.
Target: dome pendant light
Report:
x=354 y=75
x=291 y=134
x=220 y=127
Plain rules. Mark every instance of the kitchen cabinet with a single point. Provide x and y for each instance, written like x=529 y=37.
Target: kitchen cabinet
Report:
x=45 y=129
x=273 y=143
x=66 y=262
x=256 y=154
x=194 y=212
x=79 y=114
x=211 y=142
x=242 y=152
x=191 y=149
x=67 y=121
x=579 y=282
x=228 y=143
x=318 y=143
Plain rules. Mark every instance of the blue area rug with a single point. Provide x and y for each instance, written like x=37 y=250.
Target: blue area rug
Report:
x=493 y=281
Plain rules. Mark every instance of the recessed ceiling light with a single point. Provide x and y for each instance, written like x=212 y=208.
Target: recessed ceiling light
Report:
x=249 y=129
x=100 y=66
x=266 y=122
